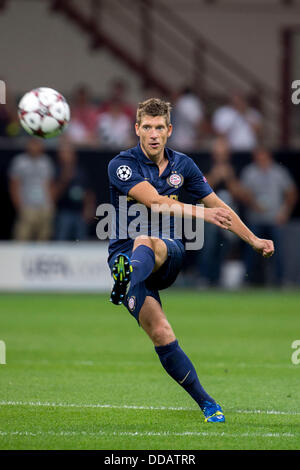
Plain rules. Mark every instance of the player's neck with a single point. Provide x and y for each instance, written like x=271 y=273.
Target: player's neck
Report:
x=159 y=158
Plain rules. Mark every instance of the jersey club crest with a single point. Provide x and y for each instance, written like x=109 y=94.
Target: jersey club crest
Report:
x=175 y=180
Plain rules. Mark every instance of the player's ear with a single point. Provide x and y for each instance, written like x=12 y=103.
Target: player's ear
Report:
x=137 y=129
x=170 y=130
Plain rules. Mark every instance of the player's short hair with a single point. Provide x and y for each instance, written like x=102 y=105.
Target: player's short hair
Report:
x=154 y=107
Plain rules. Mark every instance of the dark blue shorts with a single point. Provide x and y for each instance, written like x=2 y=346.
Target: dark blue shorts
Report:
x=164 y=277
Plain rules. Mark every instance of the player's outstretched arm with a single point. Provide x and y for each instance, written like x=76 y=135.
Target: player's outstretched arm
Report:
x=146 y=194
x=265 y=247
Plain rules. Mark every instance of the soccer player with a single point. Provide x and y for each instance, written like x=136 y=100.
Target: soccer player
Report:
x=152 y=175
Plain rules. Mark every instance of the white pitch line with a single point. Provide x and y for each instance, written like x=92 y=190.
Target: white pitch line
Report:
x=135 y=407
x=286 y=365
x=143 y=434
x=91 y=405
x=267 y=412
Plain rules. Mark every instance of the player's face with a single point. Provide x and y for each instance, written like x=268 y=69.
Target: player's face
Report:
x=153 y=133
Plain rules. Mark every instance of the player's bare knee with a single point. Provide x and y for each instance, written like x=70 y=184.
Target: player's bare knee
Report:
x=161 y=253
x=162 y=334
x=143 y=240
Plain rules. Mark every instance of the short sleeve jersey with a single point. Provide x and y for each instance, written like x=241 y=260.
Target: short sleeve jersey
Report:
x=132 y=167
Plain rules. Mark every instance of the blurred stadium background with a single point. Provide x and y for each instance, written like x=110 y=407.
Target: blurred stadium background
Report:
x=227 y=66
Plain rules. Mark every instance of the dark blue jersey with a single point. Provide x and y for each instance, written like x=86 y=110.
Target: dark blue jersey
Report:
x=132 y=167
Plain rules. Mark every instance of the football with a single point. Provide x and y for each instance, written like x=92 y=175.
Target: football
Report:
x=44 y=112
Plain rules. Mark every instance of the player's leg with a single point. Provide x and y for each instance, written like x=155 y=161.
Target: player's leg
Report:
x=148 y=255
x=155 y=323
x=174 y=360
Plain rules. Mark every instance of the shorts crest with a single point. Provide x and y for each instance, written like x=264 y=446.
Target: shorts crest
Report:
x=131 y=303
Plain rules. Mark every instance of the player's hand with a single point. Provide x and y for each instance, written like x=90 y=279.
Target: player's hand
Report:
x=264 y=247
x=218 y=216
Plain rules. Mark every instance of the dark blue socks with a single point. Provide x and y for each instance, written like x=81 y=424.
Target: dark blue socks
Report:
x=180 y=368
x=143 y=261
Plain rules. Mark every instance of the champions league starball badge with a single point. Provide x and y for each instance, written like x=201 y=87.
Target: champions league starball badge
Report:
x=124 y=172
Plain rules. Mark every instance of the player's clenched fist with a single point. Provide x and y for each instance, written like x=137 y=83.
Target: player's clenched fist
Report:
x=218 y=216
x=265 y=247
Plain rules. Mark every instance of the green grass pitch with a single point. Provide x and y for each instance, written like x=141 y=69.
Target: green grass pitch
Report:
x=81 y=374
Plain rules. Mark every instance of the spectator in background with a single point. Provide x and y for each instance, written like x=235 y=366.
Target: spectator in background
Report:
x=31 y=184
x=275 y=194
x=82 y=127
x=239 y=123
x=75 y=202
x=115 y=127
x=187 y=117
x=118 y=93
x=226 y=185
